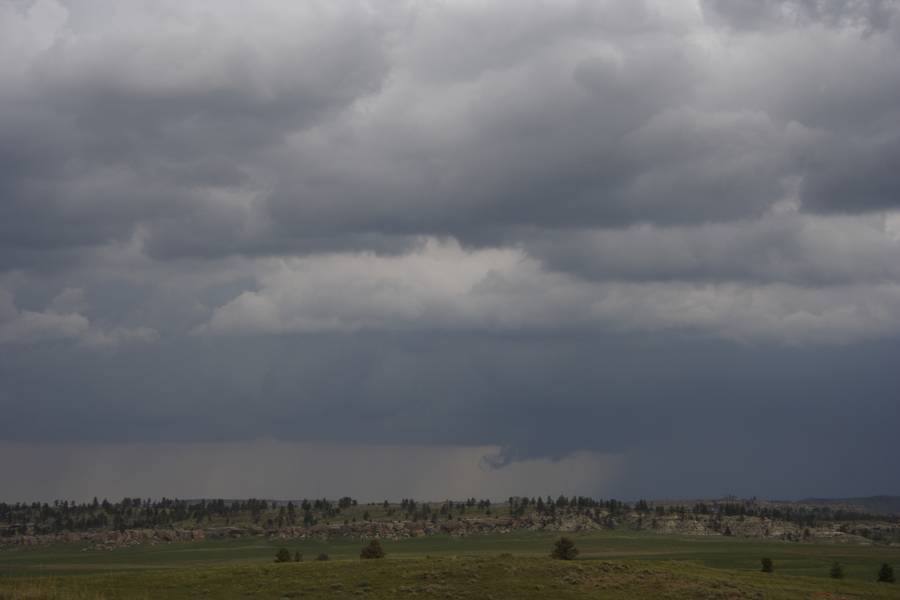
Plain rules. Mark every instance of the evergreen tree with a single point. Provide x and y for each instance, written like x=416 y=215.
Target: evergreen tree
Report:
x=564 y=549
x=283 y=555
x=837 y=571
x=373 y=550
x=886 y=574
x=767 y=565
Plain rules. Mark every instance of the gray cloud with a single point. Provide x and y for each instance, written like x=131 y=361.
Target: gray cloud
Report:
x=622 y=227
x=63 y=321
x=785 y=247
x=301 y=129
x=443 y=287
x=762 y=14
x=856 y=176
x=665 y=399
x=103 y=135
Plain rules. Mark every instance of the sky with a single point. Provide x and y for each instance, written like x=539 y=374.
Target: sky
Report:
x=449 y=248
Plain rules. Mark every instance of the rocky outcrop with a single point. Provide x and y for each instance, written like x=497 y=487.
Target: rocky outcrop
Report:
x=108 y=540
x=677 y=524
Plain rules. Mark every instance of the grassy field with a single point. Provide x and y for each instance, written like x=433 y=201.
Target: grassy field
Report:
x=611 y=565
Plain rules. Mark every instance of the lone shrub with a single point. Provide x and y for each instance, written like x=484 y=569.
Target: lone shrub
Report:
x=837 y=571
x=283 y=555
x=373 y=550
x=322 y=556
x=767 y=566
x=886 y=574
x=298 y=557
x=564 y=549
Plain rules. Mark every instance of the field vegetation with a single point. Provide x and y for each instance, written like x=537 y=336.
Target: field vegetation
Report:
x=609 y=564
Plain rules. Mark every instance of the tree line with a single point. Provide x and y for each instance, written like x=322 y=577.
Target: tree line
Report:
x=137 y=513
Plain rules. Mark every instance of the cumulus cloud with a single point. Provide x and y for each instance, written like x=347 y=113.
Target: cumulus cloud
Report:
x=444 y=287
x=102 y=133
x=61 y=321
x=439 y=286
x=28 y=326
x=343 y=125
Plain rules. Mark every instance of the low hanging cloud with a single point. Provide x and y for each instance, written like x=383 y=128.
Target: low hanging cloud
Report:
x=58 y=322
x=28 y=326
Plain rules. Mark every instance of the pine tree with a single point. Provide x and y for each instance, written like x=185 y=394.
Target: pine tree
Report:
x=767 y=565
x=886 y=574
x=373 y=550
x=564 y=549
x=283 y=555
x=837 y=571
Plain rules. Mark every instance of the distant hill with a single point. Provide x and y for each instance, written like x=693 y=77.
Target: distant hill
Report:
x=876 y=505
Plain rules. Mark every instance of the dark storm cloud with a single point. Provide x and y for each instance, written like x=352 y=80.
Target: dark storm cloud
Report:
x=787 y=248
x=302 y=129
x=665 y=401
x=110 y=126
x=764 y=14
x=864 y=172
x=628 y=227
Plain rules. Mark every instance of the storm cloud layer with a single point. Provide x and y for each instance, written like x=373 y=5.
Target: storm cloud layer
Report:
x=639 y=228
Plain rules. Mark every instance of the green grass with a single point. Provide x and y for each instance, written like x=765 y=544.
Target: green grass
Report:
x=472 y=577
x=611 y=565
